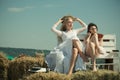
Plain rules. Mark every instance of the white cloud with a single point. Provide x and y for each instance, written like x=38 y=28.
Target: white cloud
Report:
x=29 y=7
x=48 y=5
x=51 y=5
x=15 y=9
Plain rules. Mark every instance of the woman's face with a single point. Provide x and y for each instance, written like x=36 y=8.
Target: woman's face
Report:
x=93 y=29
x=69 y=24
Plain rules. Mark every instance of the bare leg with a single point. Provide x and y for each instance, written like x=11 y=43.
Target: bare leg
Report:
x=77 y=45
x=73 y=60
x=94 y=64
x=96 y=42
x=93 y=55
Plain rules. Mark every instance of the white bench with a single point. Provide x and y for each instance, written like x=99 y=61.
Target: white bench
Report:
x=112 y=60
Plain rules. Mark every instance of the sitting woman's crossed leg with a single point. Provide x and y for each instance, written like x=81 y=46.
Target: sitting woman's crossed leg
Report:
x=77 y=49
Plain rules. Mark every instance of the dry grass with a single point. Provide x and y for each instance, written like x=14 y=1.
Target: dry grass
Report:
x=99 y=75
x=19 y=66
x=81 y=75
x=3 y=66
x=47 y=76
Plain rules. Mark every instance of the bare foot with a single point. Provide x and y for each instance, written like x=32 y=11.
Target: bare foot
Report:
x=94 y=69
x=69 y=74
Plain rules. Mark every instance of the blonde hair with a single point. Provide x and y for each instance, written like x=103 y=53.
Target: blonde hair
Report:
x=63 y=26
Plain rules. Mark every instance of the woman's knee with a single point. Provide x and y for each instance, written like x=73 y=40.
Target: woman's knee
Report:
x=92 y=45
x=74 y=40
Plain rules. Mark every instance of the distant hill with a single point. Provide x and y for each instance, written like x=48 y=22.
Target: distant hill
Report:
x=17 y=51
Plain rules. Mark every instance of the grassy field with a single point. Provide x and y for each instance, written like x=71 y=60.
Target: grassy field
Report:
x=17 y=69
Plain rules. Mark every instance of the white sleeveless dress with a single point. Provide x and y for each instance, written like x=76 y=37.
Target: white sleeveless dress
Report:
x=59 y=58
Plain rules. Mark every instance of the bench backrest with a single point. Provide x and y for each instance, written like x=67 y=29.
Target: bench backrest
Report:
x=109 y=41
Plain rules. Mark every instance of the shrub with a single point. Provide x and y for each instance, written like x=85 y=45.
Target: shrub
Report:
x=98 y=75
x=47 y=76
x=19 y=66
x=3 y=66
x=80 y=75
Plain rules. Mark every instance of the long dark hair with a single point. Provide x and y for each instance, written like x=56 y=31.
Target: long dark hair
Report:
x=99 y=34
x=90 y=25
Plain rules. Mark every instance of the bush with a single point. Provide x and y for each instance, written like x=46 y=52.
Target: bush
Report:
x=19 y=66
x=47 y=76
x=80 y=75
x=3 y=66
x=98 y=75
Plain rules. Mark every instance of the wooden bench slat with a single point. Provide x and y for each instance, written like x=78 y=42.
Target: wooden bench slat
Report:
x=109 y=44
x=103 y=64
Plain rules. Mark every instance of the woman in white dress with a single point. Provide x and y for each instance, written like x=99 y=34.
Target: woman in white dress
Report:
x=69 y=46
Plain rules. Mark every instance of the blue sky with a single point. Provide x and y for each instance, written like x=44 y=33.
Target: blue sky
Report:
x=27 y=23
